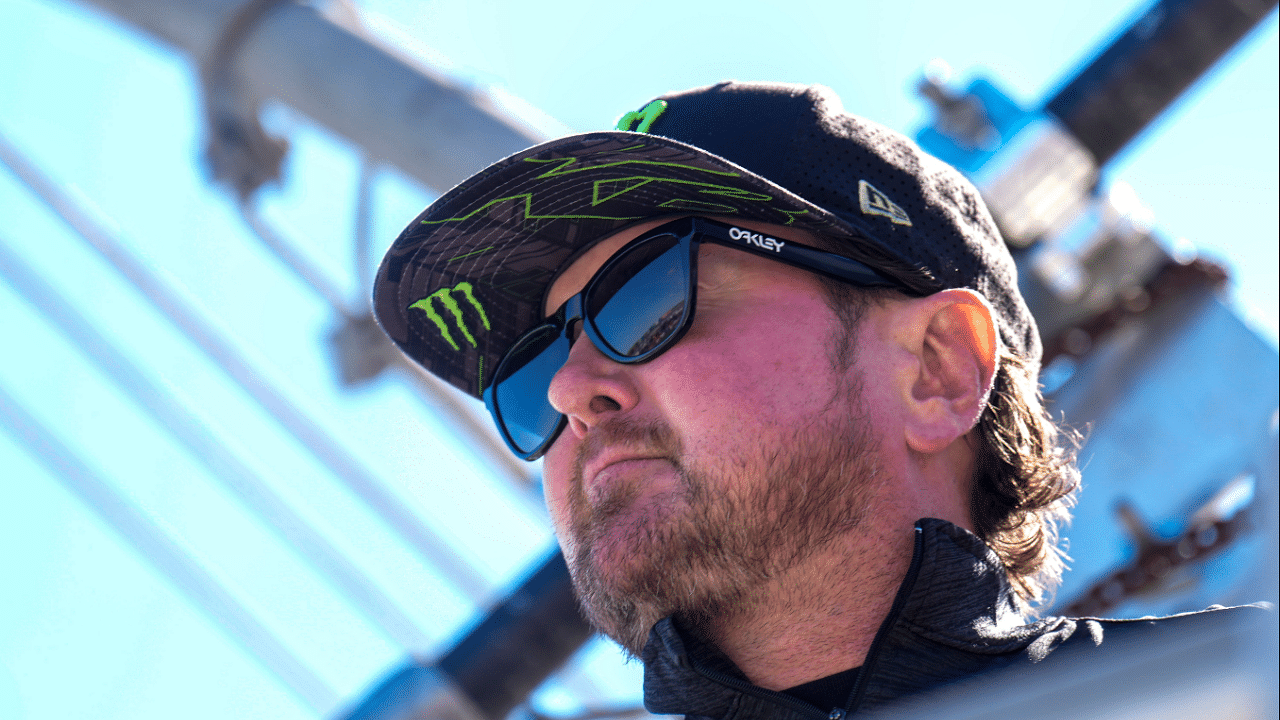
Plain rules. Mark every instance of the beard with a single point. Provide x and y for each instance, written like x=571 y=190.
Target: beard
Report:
x=710 y=546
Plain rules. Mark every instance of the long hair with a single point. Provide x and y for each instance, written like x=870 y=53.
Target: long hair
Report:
x=1025 y=473
x=1025 y=482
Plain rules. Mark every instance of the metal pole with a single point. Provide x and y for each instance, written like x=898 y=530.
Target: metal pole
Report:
x=293 y=259
x=396 y=110
x=393 y=108
x=359 y=479
x=223 y=464
x=1154 y=61
x=166 y=555
x=522 y=641
x=497 y=665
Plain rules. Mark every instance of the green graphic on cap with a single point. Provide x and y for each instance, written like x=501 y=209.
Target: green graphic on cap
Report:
x=645 y=116
x=565 y=166
x=609 y=189
x=473 y=253
x=445 y=296
x=528 y=212
x=791 y=214
x=605 y=190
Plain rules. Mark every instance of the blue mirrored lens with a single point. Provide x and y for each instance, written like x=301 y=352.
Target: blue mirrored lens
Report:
x=521 y=392
x=640 y=299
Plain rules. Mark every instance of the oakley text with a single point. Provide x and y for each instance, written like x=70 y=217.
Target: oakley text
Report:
x=756 y=239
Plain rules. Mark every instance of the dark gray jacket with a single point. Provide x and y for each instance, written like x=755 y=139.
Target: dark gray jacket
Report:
x=953 y=617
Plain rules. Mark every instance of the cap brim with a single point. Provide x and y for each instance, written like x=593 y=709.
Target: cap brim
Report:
x=470 y=274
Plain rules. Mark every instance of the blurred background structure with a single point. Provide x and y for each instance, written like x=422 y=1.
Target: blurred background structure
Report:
x=225 y=496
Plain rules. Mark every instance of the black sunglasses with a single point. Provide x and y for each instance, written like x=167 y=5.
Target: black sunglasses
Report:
x=637 y=305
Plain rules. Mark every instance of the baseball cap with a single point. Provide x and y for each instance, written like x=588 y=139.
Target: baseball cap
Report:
x=470 y=274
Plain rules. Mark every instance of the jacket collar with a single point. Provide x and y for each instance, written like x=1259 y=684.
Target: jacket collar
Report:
x=954 y=596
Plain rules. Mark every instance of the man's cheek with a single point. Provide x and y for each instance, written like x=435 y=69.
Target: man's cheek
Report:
x=560 y=508
x=557 y=477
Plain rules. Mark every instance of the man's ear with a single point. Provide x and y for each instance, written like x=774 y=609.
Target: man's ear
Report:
x=954 y=339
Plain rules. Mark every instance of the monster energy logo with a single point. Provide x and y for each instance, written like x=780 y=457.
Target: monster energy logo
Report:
x=645 y=116
x=445 y=296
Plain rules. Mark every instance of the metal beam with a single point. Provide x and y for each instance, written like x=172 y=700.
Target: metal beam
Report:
x=193 y=324
x=223 y=463
x=393 y=108
x=1131 y=82
x=165 y=554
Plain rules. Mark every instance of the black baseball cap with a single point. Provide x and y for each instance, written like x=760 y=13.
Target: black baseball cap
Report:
x=470 y=274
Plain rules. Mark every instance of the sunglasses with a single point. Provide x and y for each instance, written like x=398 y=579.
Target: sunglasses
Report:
x=638 y=304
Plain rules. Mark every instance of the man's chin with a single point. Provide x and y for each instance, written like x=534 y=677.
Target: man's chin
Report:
x=611 y=603
x=615 y=562
x=616 y=571
x=623 y=581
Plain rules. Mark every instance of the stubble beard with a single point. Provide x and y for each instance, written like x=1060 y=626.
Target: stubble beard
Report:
x=710 y=548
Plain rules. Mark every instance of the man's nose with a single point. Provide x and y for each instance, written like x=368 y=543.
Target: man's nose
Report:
x=590 y=387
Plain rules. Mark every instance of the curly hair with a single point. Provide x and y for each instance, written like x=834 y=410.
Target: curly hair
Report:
x=1025 y=473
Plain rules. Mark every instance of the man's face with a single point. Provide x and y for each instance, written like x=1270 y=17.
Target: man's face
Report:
x=682 y=484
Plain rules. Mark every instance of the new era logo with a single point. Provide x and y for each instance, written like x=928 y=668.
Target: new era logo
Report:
x=874 y=202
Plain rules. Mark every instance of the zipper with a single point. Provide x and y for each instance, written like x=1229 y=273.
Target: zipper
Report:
x=873 y=653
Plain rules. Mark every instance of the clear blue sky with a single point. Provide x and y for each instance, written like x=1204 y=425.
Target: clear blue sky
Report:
x=90 y=630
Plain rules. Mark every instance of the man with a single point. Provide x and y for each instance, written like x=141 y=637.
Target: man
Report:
x=777 y=363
